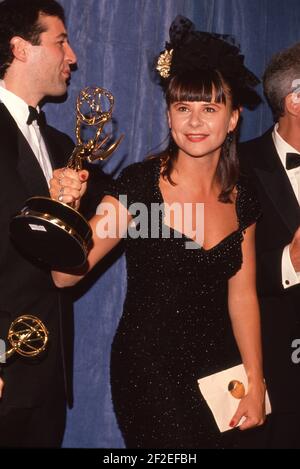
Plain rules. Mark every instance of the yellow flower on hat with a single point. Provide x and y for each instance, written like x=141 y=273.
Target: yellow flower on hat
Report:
x=164 y=63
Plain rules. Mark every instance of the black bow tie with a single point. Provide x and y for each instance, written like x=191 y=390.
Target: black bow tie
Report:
x=292 y=160
x=34 y=115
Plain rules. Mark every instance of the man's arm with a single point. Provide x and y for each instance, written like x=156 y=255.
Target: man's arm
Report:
x=277 y=268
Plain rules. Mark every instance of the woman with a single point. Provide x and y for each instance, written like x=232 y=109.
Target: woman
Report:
x=183 y=299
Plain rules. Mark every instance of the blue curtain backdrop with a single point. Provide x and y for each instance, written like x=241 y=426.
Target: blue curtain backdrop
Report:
x=115 y=42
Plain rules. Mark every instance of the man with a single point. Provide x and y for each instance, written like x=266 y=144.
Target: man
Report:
x=35 y=62
x=272 y=161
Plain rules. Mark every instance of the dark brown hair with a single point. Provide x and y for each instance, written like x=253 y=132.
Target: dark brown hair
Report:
x=22 y=18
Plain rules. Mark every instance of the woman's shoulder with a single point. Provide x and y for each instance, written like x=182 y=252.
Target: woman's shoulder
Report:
x=136 y=180
x=248 y=206
x=245 y=184
x=140 y=169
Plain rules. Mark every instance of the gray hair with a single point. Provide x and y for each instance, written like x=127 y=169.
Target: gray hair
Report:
x=282 y=77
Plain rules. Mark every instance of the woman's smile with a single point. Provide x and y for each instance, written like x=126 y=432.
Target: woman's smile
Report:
x=196 y=138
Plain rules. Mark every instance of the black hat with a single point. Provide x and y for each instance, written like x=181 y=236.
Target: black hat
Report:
x=191 y=50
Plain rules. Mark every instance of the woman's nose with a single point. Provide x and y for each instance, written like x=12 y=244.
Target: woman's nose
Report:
x=196 y=119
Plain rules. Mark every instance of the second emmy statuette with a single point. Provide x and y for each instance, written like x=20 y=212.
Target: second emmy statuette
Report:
x=28 y=337
x=54 y=232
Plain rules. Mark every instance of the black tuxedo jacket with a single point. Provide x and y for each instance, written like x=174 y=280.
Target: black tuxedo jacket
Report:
x=280 y=308
x=26 y=287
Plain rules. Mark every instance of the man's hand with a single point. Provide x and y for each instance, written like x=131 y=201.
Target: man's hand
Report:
x=68 y=185
x=295 y=250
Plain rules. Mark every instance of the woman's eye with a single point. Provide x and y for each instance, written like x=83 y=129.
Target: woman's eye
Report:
x=182 y=109
x=209 y=109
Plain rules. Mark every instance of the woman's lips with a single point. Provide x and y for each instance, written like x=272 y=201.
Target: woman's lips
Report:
x=196 y=137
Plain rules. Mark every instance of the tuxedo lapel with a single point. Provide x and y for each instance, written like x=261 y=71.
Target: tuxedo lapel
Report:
x=50 y=145
x=30 y=170
x=280 y=191
x=276 y=184
x=58 y=152
x=17 y=151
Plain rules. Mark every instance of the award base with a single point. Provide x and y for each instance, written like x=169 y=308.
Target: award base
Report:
x=52 y=232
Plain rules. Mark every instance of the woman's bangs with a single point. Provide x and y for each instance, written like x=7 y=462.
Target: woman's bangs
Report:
x=205 y=86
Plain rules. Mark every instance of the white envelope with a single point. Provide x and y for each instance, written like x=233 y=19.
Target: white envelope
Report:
x=223 y=405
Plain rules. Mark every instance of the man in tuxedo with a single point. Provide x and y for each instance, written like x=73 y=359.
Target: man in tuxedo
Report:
x=273 y=163
x=35 y=62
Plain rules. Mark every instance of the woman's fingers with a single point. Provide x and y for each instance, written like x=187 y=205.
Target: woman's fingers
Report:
x=68 y=185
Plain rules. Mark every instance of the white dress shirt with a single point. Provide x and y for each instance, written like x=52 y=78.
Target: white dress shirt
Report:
x=289 y=276
x=19 y=111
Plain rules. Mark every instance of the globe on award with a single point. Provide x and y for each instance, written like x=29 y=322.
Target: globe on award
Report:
x=27 y=335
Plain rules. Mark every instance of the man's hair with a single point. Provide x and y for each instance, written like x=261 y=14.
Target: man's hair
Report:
x=282 y=77
x=21 y=18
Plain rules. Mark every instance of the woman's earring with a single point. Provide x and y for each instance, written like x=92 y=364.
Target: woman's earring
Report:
x=229 y=138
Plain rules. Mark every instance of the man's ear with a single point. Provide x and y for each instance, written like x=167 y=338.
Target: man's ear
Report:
x=19 y=48
x=292 y=103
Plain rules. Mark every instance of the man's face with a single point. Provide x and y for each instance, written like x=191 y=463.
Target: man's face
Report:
x=49 y=63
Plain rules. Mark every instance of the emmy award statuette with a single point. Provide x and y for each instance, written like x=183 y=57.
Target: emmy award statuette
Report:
x=27 y=336
x=54 y=232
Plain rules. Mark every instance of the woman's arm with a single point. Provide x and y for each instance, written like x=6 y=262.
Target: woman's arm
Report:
x=245 y=319
x=109 y=227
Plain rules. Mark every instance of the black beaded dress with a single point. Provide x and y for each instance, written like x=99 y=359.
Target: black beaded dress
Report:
x=175 y=326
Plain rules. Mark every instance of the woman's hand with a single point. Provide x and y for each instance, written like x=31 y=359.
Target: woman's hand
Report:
x=68 y=185
x=252 y=407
